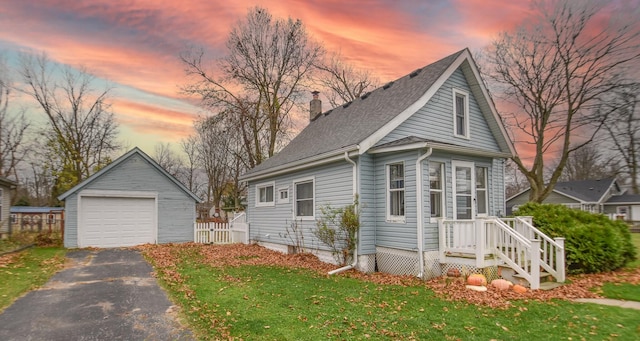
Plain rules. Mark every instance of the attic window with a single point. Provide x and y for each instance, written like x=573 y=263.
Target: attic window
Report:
x=415 y=73
x=346 y=104
x=387 y=86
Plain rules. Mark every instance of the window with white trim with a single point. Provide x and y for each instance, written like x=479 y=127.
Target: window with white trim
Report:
x=460 y=113
x=436 y=189
x=395 y=192
x=264 y=194
x=481 y=191
x=283 y=195
x=304 y=199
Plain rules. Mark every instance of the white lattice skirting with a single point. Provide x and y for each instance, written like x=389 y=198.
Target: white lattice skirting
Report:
x=404 y=262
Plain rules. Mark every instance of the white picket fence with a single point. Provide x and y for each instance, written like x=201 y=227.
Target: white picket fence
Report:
x=212 y=233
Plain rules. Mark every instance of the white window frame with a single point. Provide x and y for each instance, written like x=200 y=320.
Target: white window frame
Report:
x=456 y=93
x=388 y=190
x=282 y=200
x=265 y=203
x=295 y=198
x=485 y=190
x=443 y=205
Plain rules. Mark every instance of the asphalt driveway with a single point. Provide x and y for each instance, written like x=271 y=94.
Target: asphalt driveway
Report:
x=101 y=295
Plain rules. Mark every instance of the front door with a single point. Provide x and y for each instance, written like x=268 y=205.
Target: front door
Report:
x=464 y=190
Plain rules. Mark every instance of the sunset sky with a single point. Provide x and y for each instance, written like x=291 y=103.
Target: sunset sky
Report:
x=134 y=44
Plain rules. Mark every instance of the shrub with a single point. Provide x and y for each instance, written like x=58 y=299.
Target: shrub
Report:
x=593 y=242
x=338 y=228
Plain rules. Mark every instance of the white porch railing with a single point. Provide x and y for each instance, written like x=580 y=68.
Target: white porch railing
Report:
x=552 y=253
x=525 y=249
x=207 y=233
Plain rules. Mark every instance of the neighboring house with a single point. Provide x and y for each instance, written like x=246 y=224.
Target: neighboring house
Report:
x=623 y=207
x=425 y=154
x=32 y=218
x=6 y=186
x=129 y=202
x=595 y=196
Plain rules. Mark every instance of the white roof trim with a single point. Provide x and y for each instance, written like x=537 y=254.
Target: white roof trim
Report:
x=613 y=181
x=301 y=164
x=438 y=146
x=120 y=160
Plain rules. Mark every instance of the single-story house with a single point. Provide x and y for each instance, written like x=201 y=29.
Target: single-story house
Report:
x=596 y=196
x=6 y=186
x=129 y=202
x=425 y=154
x=36 y=218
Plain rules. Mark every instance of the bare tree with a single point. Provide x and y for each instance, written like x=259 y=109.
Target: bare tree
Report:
x=81 y=128
x=13 y=127
x=168 y=159
x=260 y=79
x=588 y=163
x=623 y=129
x=557 y=72
x=515 y=182
x=342 y=82
x=191 y=176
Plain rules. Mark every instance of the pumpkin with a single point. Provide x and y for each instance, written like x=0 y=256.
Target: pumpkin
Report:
x=477 y=279
x=453 y=272
x=501 y=284
x=519 y=289
x=476 y=288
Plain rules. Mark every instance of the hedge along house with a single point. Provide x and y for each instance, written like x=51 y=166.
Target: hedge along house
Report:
x=131 y=201
x=425 y=154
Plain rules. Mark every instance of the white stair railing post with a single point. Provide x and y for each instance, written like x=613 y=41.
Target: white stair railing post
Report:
x=442 y=235
x=560 y=259
x=480 y=242
x=535 y=264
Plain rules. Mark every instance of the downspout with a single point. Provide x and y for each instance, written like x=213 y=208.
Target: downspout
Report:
x=355 y=192
x=420 y=215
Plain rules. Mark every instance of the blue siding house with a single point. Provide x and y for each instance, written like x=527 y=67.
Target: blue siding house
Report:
x=131 y=201
x=425 y=155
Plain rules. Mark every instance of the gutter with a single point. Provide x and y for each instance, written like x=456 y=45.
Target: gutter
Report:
x=355 y=192
x=419 y=212
x=299 y=164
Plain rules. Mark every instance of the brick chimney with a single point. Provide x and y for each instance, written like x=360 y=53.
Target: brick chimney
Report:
x=315 y=106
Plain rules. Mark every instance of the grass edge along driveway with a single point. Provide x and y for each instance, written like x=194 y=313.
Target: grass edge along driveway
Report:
x=247 y=292
x=26 y=270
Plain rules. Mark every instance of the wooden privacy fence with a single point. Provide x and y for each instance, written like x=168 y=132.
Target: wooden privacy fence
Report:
x=208 y=233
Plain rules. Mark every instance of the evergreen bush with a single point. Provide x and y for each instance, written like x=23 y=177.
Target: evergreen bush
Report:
x=593 y=242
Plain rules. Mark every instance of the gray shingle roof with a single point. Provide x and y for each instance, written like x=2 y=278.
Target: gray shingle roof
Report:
x=625 y=198
x=585 y=190
x=353 y=122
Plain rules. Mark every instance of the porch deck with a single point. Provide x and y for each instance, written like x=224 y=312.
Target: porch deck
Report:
x=509 y=242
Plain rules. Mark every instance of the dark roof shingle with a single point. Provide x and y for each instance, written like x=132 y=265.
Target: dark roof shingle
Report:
x=348 y=125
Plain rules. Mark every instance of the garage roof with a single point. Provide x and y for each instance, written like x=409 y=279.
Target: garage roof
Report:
x=134 y=151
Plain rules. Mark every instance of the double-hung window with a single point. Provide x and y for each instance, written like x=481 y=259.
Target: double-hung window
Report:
x=436 y=189
x=304 y=195
x=264 y=194
x=460 y=113
x=395 y=192
x=481 y=191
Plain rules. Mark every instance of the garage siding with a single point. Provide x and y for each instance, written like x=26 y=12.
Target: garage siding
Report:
x=176 y=209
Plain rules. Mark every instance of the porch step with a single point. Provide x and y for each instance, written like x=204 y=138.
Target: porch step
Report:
x=550 y=285
x=468 y=255
x=545 y=277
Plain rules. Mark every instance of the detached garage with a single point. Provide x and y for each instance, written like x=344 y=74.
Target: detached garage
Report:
x=131 y=201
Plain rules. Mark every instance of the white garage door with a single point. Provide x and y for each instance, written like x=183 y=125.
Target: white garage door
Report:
x=115 y=222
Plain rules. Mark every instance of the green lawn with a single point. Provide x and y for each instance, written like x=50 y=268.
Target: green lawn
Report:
x=31 y=269
x=625 y=291
x=635 y=238
x=279 y=303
